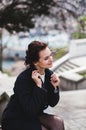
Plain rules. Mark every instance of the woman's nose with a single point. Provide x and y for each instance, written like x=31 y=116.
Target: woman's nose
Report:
x=51 y=58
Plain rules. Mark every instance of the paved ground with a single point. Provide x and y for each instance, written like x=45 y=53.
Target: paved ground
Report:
x=72 y=108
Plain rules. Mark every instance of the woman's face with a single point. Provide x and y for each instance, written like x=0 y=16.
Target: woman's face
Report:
x=45 y=59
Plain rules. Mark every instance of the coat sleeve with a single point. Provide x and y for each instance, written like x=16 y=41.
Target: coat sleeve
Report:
x=53 y=97
x=31 y=100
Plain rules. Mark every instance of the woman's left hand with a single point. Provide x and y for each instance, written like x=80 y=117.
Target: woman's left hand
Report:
x=55 y=80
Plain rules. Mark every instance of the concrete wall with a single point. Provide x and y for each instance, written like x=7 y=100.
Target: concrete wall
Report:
x=66 y=84
x=77 y=48
x=4 y=98
x=82 y=85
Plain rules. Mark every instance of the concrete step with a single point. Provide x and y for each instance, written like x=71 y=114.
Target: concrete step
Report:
x=71 y=65
x=61 y=69
x=66 y=66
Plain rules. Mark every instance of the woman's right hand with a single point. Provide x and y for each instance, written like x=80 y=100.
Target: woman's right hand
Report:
x=37 y=78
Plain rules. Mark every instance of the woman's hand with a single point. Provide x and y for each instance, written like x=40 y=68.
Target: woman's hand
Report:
x=37 y=78
x=55 y=80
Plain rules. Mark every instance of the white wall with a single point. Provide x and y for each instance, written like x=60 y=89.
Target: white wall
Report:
x=77 y=48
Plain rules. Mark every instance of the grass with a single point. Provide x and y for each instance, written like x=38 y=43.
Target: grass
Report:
x=83 y=74
x=7 y=72
x=58 y=53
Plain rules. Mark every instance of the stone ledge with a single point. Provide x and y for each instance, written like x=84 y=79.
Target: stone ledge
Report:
x=4 y=96
x=75 y=77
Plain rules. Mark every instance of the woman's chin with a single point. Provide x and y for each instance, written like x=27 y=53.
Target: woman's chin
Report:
x=50 y=65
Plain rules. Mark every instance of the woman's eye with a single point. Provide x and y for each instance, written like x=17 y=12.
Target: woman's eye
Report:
x=46 y=58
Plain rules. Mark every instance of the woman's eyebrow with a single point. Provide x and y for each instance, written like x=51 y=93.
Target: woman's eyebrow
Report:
x=48 y=56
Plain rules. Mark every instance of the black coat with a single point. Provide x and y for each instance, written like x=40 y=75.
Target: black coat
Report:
x=28 y=102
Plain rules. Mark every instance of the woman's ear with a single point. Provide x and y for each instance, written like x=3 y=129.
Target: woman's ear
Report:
x=36 y=63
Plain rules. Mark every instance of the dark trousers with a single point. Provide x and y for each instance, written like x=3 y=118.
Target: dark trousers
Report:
x=51 y=122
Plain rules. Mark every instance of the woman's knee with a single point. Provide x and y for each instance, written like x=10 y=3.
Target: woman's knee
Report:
x=57 y=123
x=43 y=128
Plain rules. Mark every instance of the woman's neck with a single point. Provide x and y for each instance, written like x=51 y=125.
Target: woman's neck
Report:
x=40 y=70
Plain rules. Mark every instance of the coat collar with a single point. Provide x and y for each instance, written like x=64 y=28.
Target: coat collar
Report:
x=47 y=72
x=32 y=67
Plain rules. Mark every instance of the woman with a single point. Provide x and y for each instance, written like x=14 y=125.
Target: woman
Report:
x=35 y=89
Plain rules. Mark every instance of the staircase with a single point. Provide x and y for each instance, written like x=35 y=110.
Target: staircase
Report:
x=66 y=66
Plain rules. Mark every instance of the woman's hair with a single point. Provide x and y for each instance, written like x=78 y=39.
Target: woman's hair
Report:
x=32 y=53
